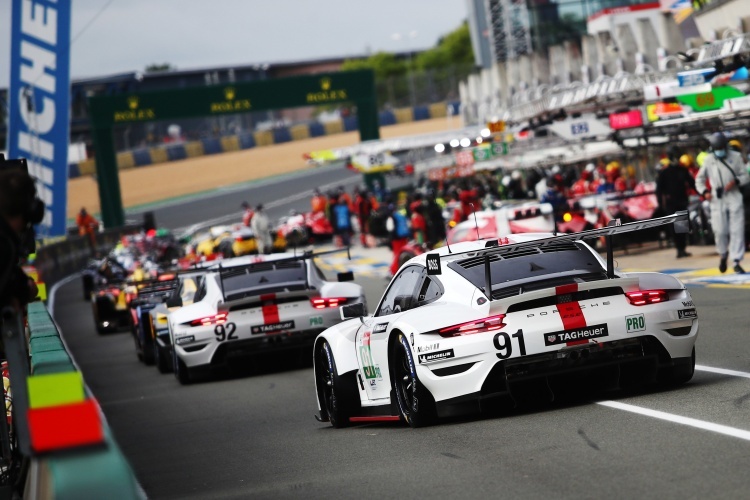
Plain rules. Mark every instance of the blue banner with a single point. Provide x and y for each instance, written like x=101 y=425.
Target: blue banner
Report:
x=39 y=101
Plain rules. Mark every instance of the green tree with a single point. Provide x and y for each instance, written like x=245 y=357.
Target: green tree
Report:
x=454 y=49
x=384 y=64
x=156 y=68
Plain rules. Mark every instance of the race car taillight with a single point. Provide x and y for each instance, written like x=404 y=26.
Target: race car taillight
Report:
x=645 y=297
x=488 y=324
x=326 y=302
x=217 y=319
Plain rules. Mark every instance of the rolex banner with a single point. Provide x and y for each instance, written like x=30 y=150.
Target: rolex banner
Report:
x=38 y=101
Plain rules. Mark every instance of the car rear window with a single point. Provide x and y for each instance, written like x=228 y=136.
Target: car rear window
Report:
x=265 y=277
x=532 y=269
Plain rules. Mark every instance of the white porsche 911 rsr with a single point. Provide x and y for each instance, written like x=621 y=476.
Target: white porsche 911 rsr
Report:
x=254 y=304
x=466 y=326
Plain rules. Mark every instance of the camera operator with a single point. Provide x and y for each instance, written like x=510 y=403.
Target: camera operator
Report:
x=19 y=210
x=724 y=169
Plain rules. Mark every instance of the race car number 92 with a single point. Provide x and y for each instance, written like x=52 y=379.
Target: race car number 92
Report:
x=225 y=332
x=504 y=344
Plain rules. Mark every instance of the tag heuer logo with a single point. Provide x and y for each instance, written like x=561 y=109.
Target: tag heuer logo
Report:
x=132 y=102
x=551 y=338
x=229 y=93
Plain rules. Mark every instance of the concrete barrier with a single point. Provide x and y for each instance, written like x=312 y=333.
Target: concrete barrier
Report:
x=93 y=471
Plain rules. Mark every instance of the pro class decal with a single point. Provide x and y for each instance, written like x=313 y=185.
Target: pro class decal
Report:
x=687 y=313
x=380 y=328
x=573 y=334
x=273 y=327
x=435 y=356
x=635 y=323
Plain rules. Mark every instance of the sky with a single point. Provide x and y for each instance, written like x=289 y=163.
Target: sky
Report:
x=112 y=36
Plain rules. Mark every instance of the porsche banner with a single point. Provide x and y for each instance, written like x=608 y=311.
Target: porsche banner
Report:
x=38 y=101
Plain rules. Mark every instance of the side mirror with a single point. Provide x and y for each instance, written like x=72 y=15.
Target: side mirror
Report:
x=352 y=311
x=175 y=301
x=347 y=276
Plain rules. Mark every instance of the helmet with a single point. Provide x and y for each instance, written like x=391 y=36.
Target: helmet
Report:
x=718 y=141
x=700 y=158
x=735 y=145
x=613 y=168
x=686 y=160
x=590 y=167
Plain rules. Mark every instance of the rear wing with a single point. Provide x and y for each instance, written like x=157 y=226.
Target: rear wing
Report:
x=234 y=271
x=679 y=219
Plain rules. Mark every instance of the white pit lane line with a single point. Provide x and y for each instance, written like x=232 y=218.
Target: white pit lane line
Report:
x=691 y=422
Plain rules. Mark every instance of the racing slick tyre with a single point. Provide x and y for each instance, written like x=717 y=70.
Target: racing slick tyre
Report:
x=162 y=360
x=681 y=372
x=147 y=348
x=181 y=372
x=88 y=286
x=415 y=403
x=337 y=396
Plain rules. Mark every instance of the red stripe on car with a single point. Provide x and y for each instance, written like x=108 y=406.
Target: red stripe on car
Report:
x=570 y=312
x=270 y=309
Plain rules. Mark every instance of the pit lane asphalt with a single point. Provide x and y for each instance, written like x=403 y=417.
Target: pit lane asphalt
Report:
x=251 y=433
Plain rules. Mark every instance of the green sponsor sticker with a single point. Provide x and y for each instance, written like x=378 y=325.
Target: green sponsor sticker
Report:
x=635 y=323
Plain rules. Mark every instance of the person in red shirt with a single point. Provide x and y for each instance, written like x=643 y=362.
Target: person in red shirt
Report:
x=418 y=222
x=247 y=214
x=364 y=204
x=87 y=226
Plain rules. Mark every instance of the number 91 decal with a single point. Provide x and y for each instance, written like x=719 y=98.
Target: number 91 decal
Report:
x=225 y=332
x=504 y=344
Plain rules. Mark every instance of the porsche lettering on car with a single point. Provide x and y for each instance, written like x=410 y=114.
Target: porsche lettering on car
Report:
x=252 y=305
x=498 y=321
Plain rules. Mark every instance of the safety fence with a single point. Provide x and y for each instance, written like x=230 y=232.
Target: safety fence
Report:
x=251 y=139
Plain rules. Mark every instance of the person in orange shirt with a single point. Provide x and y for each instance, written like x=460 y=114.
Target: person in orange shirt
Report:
x=318 y=203
x=87 y=225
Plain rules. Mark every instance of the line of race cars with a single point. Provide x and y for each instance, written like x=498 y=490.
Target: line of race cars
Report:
x=190 y=319
x=458 y=329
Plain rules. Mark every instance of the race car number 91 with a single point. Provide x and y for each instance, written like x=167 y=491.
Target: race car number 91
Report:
x=504 y=344
x=225 y=332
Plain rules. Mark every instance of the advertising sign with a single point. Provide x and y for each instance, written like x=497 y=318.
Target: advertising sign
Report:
x=710 y=100
x=695 y=77
x=579 y=128
x=628 y=119
x=38 y=101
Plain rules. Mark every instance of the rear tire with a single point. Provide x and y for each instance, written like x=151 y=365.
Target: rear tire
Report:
x=681 y=373
x=162 y=360
x=181 y=372
x=334 y=394
x=415 y=403
x=147 y=347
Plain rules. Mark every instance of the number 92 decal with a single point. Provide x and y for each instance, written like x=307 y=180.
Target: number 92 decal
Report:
x=225 y=332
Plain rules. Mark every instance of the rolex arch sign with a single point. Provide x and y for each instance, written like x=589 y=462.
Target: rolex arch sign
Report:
x=356 y=87
x=38 y=101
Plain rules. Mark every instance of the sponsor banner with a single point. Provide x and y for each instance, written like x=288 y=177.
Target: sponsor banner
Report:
x=579 y=128
x=39 y=101
x=436 y=356
x=712 y=100
x=628 y=119
x=687 y=313
x=573 y=334
x=273 y=328
x=184 y=340
x=695 y=77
